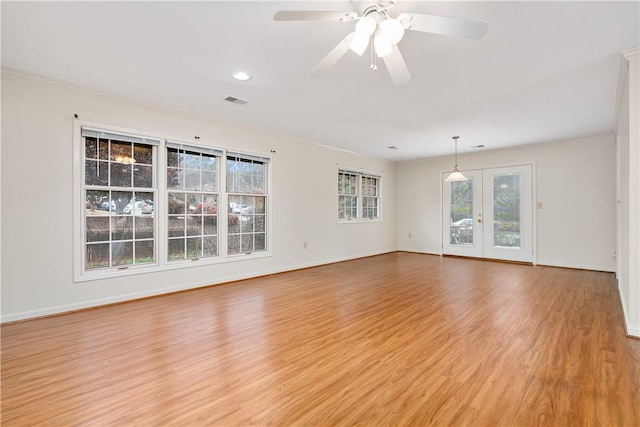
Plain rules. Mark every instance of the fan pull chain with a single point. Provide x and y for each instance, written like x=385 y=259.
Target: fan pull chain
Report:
x=374 y=67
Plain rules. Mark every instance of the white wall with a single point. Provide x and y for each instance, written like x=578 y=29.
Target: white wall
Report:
x=574 y=180
x=628 y=191
x=37 y=199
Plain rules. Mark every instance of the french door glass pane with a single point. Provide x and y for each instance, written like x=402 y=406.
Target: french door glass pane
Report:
x=461 y=220
x=506 y=211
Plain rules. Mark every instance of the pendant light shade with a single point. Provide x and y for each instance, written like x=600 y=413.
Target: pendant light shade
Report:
x=456 y=175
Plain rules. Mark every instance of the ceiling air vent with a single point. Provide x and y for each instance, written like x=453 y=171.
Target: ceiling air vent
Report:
x=235 y=100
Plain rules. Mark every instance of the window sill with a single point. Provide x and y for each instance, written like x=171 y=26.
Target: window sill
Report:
x=114 y=273
x=359 y=221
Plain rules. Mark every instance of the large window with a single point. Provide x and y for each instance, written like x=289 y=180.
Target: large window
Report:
x=246 y=221
x=149 y=203
x=358 y=195
x=119 y=195
x=192 y=201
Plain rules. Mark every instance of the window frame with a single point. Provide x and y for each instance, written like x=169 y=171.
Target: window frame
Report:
x=216 y=192
x=360 y=196
x=80 y=274
x=266 y=161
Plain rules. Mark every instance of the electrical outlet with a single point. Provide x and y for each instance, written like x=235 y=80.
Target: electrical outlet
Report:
x=409 y=235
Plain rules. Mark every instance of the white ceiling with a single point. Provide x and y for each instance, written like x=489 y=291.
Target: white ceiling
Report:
x=544 y=71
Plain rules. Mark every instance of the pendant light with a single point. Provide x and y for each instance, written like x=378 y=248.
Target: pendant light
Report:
x=456 y=175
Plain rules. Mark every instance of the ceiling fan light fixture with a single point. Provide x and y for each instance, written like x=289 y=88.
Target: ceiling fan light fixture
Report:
x=382 y=45
x=392 y=30
x=366 y=26
x=359 y=43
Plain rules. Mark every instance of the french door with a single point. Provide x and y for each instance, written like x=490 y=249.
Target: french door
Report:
x=490 y=215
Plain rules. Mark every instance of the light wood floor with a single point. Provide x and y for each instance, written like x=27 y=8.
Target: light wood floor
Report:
x=397 y=339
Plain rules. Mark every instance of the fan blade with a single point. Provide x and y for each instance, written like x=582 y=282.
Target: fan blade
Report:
x=461 y=27
x=333 y=56
x=397 y=68
x=314 y=15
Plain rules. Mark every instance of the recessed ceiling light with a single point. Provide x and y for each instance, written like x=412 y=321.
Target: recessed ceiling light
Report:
x=392 y=147
x=241 y=75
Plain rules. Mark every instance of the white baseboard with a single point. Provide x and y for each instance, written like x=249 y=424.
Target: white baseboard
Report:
x=48 y=311
x=607 y=268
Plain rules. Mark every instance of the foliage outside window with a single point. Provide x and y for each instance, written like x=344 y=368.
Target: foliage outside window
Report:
x=192 y=202
x=358 y=195
x=246 y=189
x=119 y=196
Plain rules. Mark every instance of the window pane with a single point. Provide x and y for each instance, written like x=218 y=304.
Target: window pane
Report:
x=121 y=228
x=209 y=181
x=234 y=244
x=192 y=179
x=143 y=154
x=194 y=225
x=208 y=163
x=506 y=211
x=176 y=249
x=233 y=223
x=96 y=173
x=143 y=227
x=191 y=160
x=97 y=201
x=174 y=178
x=210 y=225
x=97 y=256
x=258 y=185
x=103 y=149
x=209 y=205
x=173 y=158
x=461 y=229
x=177 y=203
x=194 y=247
x=143 y=176
x=144 y=252
x=247 y=243
x=209 y=246
x=246 y=223
x=120 y=174
x=97 y=229
x=260 y=242
x=90 y=148
x=120 y=200
x=176 y=226
x=121 y=151
x=260 y=205
x=122 y=253
x=259 y=223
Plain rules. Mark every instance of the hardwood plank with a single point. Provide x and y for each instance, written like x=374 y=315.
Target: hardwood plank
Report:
x=397 y=339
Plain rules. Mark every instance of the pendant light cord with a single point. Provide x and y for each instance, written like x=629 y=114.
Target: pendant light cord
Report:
x=455 y=140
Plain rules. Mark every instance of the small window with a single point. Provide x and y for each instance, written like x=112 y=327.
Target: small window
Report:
x=358 y=196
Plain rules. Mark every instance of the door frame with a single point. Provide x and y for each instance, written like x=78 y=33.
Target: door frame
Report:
x=534 y=201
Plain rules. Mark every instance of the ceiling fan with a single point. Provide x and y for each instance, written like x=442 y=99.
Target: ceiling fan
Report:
x=375 y=25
